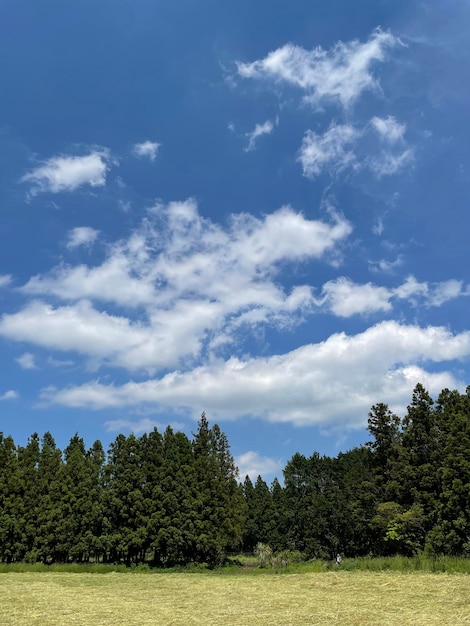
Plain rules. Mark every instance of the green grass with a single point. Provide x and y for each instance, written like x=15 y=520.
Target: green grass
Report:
x=334 y=597
x=247 y=566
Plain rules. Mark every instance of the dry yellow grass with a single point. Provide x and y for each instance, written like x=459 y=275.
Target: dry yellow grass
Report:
x=50 y=599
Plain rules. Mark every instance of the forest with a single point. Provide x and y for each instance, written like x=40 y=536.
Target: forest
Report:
x=167 y=500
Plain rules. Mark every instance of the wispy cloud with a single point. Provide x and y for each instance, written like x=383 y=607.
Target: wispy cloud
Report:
x=387 y=163
x=146 y=149
x=340 y=74
x=389 y=128
x=329 y=150
x=67 y=173
x=5 y=280
x=9 y=395
x=260 y=129
x=343 y=146
x=144 y=425
x=26 y=361
x=81 y=236
x=384 y=265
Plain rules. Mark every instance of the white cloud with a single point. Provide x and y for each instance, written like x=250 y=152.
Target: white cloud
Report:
x=196 y=283
x=253 y=465
x=259 y=130
x=344 y=298
x=386 y=266
x=9 y=395
x=81 y=236
x=388 y=163
x=388 y=128
x=60 y=362
x=67 y=173
x=5 y=280
x=447 y=290
x=340 y=74
x=328 y=150
x=332 y=382
x=146 y=149
x=340 y=147
x=26 y=361
x=144 y=425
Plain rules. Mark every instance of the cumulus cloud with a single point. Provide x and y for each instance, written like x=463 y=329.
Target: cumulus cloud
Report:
x=146 y=149
x=81 y=236
x=329 y=150
x=340 y=74
x=26 y=361
x=332 y=382
x=11 y=394
x=67 y=173
x=253 y=464
x=195 y=282
x=260 y=129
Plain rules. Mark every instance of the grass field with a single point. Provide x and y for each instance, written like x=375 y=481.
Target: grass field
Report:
x=339 y=597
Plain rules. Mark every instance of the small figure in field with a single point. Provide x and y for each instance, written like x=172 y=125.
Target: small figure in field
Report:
x=338 y=560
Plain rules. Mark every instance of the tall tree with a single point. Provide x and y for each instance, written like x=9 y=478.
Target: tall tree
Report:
x=451 y=533
x=422 y=455
x=124 y=500
x=219 y=508
x=50 y=489
x=10 y=529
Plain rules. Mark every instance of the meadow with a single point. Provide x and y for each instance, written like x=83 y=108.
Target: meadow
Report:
x=248 y=598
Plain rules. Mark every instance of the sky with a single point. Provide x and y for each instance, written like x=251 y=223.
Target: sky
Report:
x=257 y=209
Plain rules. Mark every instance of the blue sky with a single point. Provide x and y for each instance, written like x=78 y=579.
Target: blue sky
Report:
x=256 y=209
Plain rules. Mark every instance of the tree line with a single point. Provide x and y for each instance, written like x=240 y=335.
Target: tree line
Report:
x=167 y=500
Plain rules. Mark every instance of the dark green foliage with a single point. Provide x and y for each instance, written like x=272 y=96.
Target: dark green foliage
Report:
x=170 y=501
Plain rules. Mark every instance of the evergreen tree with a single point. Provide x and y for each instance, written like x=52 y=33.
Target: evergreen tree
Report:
x=153 y=468
x=387 y=452
x=451 y=534
x=10 y=529
x=176 y=524
x=219 y=506
x=124 y=501
x=421 y=444
x=28 y=490
x=48 y=545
